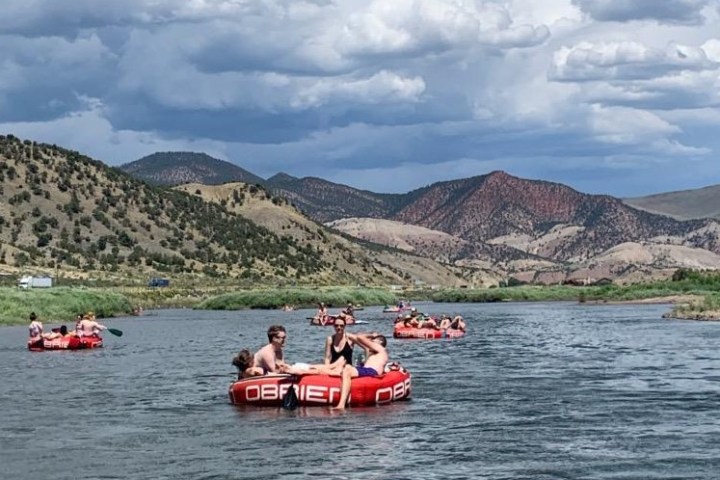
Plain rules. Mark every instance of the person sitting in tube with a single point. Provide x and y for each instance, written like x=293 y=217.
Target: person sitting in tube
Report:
x=35 y=328
x=88 y=326
x=245 y=363
x=373 y=366
x=62 y=332
x=338 y=353
x=428 y=322
x=270 y=357
x=444 y=322
x=338 y=349
x=458 y=323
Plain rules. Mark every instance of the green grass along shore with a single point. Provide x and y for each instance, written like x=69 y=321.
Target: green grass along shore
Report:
x=61 y=304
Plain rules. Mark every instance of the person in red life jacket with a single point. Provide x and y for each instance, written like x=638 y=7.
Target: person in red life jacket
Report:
x=270 y=357
x=374 y=363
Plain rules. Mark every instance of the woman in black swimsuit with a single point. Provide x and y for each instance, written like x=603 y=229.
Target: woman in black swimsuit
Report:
x=338 y=349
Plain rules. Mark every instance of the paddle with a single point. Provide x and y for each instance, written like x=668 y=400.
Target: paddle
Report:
x=115 y=331
x=290 y=399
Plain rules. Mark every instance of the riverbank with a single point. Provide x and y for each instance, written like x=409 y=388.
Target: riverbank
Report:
x=60 y=304
x=705 y=308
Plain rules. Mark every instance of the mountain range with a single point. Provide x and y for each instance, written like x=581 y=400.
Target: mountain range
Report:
x=63 y=213
x=192 y=216
x=535 y=231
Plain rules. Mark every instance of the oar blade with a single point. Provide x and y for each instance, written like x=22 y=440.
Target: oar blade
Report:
x=115 y=331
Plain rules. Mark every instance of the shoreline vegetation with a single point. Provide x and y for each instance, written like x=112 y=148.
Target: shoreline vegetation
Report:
x=694 y=296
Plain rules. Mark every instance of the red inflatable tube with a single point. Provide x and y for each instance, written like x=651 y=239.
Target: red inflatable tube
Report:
x=68 y=342
x=414 y=332
x=321 y=390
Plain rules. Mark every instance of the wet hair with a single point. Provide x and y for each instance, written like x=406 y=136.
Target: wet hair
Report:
x=382 y=339
x=33 y=317
x=274 y=330
x=63 y=330
x=243 y=361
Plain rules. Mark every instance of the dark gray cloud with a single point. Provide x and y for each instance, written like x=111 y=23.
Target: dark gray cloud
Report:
x=664 y=11
x=381 y=95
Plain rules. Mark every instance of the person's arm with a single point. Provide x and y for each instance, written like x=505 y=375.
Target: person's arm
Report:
x=366 y=341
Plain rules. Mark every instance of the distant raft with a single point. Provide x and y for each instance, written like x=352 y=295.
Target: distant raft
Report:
x=68 y=342
x=322 y=390
x=401 y=331
x=329 y=320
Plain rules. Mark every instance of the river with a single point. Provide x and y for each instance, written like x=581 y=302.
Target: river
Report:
x=533 y=391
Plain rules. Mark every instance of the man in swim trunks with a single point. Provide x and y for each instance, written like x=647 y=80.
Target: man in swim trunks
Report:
x=270 y=357
x=374 y=363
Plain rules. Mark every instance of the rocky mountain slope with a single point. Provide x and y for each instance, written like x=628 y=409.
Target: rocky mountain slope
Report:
x=351 y=261
x=175 y=168
x=62 y=211
x=537 y=230
x=557 y=222
x=683 y=205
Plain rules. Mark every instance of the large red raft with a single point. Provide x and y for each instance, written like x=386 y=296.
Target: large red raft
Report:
x=68 y=342
x=321 y=390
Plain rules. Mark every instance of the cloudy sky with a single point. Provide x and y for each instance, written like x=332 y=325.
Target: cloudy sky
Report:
x=608 y=96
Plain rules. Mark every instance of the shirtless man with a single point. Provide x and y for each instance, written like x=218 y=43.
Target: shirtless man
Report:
x=88 y=327
x=270 y=357
x=374 y=363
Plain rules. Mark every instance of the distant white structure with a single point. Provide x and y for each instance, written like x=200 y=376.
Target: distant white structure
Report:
x=29 y=281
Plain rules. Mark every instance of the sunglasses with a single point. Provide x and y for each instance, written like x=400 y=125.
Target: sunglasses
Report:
x=339 y=326
x=281 y=337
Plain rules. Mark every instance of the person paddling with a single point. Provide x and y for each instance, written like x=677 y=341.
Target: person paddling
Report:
x=89 y=327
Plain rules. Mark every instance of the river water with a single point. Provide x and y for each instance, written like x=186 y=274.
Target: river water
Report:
x=533 y=391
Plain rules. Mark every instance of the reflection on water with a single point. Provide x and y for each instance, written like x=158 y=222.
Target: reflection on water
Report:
x=536 y=391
